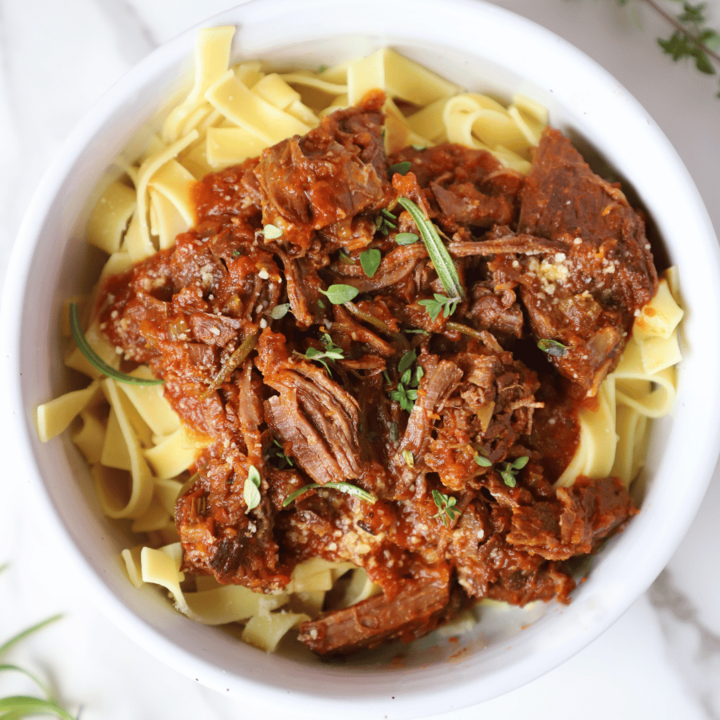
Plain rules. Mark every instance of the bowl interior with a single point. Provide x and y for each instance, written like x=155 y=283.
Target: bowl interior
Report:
x=508 y=648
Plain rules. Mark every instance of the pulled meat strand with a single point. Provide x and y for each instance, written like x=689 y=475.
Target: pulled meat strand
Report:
x=428 y=408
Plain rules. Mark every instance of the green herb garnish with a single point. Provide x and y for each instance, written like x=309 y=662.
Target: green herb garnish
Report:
x=347 y=488
x=19 y=706
x=508 y=470
x=370 y=260
x=331 y=352
x=345 y=258
x=251 y=491
x=406 y=392
x=481 y=460
x=416 y=146
x=552 y=347
x=279 y=453
x=339 y=294
x=232 y=363
x=440 y=303
x=691 y=38
x=400 y=168
x=280 y=311
x=406 y=238
x=408 y=458
x=272 y=232
x=385 y=222
x=447 y=512
x=439 y=254
x=95 y=360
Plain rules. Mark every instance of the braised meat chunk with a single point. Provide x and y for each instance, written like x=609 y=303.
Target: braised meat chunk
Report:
x=310 y=344
x=602 y=273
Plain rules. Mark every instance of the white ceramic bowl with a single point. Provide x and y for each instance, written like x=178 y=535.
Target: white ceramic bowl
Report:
x=481 y=47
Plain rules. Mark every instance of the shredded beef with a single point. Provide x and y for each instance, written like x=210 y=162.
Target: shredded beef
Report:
x=440 y=418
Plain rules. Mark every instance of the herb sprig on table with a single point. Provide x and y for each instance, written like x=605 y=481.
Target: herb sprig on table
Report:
x=19 y=706
x=691 y=36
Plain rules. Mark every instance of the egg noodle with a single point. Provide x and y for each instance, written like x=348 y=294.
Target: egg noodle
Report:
x=139 y=452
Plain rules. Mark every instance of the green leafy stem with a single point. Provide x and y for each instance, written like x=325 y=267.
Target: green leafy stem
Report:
x=691 y=37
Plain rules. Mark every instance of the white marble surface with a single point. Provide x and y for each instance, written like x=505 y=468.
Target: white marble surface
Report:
x=661 y=660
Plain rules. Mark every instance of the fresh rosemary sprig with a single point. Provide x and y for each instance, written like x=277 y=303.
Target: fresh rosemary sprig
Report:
x=444 y=265
x=691 y=36
x=18 y=706
x=95 y=360
x=347 y=488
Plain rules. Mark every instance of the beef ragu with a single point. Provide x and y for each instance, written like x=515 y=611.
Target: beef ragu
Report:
x=449 y=421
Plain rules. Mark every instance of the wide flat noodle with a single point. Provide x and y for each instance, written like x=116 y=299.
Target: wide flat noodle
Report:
x=596 y=450
x=266 y=631
x=90 y=437
x=141 y=485
x=172 y=455
x=56 y=415
x=110 y=217
x=399 y=77
x=247 y=110
x=212 y=56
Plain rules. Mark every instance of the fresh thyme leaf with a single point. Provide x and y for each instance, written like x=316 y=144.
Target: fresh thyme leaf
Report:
x=339 y=294
x=95 y=360
x=347 y=488
x=439 y=303
x=691 y=38
x=400 y=395
x=385 y=221
x=552 y=347
x=321 y=304
x=272 y=232
x=444 y=265
x=345 y=258
x=508 y=470
x=331 y=352
x=481 y=460
x=370 y=260
x=401 y=168
x=447 y=512
x=279 y=453
x=408 y=458
x=280 y=311
x=508 y=478
x=236 y=253
x=406 y=238
x=407 y=360
x=251 y=491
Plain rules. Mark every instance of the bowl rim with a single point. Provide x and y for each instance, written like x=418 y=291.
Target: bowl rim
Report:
x=425 y=700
